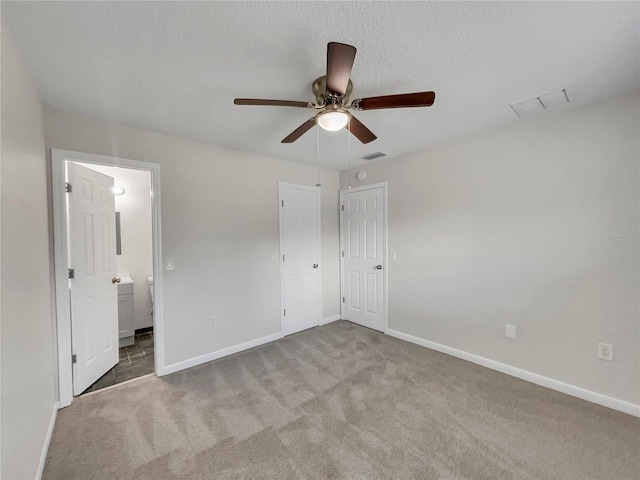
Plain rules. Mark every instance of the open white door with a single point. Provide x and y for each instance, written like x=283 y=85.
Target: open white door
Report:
x=299 y=257
x=92 y=257
x=362 y=235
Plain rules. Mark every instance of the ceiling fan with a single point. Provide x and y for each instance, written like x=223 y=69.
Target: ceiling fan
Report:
x=332 y=93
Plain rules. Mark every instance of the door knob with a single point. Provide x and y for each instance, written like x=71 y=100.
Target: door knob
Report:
x=115 y=280
x=315 y=265
x=378 y=267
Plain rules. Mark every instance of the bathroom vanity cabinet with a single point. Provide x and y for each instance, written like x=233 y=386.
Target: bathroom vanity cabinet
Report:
x=125 y=312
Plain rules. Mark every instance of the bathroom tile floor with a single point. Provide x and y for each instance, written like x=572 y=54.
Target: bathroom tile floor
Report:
x=135 y=361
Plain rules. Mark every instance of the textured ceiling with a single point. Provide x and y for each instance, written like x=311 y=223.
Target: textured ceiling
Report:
x=175 y=67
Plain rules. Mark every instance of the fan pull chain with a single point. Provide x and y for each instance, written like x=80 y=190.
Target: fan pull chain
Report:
x=349 y=149
x=318 y=137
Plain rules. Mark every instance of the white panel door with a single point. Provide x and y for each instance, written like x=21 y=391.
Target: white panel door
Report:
x=92 y=256
x=363 y=246
x=299 y=257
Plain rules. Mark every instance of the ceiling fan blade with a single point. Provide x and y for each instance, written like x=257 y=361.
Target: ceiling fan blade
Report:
x=362 y=133
x=340 y=59
x=273 y=103
x=419 y=99
x=301 y=130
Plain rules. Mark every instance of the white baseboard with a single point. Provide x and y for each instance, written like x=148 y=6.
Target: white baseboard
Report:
x=192 y=362
x=332 y=318
x=579 y=392
x=47 y=441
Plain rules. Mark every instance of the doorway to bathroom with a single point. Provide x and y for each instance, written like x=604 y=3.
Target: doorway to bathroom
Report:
x=134 y=274
x=107 y=247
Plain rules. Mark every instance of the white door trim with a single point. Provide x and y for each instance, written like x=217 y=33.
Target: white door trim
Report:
x=61 y=261
x=385 y=289
x=315 y=189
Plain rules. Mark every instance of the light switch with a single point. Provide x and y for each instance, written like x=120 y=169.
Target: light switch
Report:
x=511 y=331
x=169 y=264
x=275 y=255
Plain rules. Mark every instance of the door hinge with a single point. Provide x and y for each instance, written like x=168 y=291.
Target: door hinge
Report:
x=285 y=312
x=343 y=253
x=72 y=273
x=342 y=207
x=283 y=258
x=74 y=358
x=283 y=203
x=67 y=187
x=342 y=299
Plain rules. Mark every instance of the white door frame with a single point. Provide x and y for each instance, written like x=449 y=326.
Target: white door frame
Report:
x=61 y=261
x=385 y=231
x=315 y=189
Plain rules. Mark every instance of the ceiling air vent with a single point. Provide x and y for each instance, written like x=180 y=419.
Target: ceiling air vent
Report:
x=373 y=156
x=540 y=103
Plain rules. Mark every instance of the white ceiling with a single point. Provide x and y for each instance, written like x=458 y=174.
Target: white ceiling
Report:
x=175 y=67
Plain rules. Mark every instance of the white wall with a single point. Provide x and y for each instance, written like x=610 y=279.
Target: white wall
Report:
x=135 y=233
x=220 y=223
x=515 y=226
x=28 y=389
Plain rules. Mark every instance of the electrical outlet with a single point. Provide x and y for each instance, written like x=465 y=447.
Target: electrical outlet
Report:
x=213 y=321
x=169 y=264
x=605 y=352
x=511 y=331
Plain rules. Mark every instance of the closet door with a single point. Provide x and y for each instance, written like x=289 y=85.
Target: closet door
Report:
x=300 y=257
x=363 y=256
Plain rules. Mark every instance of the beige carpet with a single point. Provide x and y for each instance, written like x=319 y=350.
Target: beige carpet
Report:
x=340 y=401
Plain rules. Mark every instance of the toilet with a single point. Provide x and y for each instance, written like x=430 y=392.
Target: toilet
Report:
x=150 y=280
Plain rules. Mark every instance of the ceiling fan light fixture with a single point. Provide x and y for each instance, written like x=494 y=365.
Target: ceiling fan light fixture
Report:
x=333 y=92
x=332 y=121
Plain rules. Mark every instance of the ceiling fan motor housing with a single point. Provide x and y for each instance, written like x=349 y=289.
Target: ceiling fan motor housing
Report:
x=324 y=97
